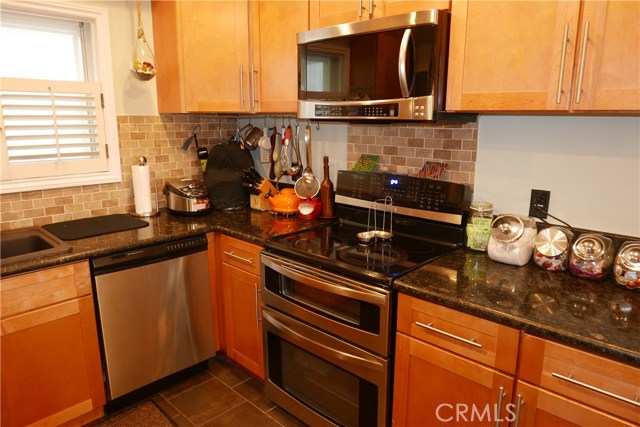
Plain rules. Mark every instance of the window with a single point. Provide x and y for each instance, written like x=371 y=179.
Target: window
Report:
x=56 y=104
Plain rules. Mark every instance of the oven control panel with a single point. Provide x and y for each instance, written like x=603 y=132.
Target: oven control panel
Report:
x=410 y=195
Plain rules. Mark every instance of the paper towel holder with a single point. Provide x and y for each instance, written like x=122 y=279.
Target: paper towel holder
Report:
x=142 y=161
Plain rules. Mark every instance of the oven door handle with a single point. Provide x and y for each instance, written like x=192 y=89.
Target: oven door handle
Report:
x=292 y=272
x=356 y=363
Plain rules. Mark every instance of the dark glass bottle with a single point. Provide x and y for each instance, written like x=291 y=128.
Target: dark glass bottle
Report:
x=327 y=195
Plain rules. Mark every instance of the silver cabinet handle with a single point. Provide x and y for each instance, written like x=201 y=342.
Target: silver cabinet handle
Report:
x=472 y=341
x=583 y=58
x=520 y=402
x=252 y=82
x=238 y=257
x=596 y=389
x=501 y=396
x=370 y=7
x=360 y=8
x=257 y=306
x=241 y=88
x=565 y=41
x=402 y=63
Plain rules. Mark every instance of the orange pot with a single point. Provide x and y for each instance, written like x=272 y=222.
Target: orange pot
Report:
x=284 y=202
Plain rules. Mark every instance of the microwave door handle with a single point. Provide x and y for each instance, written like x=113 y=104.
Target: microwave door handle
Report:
x=402 y=63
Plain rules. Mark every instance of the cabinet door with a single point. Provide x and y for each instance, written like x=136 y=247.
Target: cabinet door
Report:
x=324 y=13
x=540 y=408
x=609 y=77
x=241 y=295
x=51 y=370
x=511 y=56
x=275 y=25
x=396 y=7
x=215 y=43
x=434 y=387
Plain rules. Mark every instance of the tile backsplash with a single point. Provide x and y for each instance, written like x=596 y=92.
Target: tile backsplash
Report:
x=158 y=138
x=403 y=148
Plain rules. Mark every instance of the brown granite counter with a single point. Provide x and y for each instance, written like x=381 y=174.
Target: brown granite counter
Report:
x=245 y=224
x=596 y=316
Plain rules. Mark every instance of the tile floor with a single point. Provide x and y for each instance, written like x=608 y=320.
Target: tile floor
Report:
x=224 y=395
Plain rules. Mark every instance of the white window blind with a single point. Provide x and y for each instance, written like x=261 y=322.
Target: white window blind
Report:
x=51 y=128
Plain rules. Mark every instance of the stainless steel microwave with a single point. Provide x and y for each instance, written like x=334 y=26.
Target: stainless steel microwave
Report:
x=390 y=68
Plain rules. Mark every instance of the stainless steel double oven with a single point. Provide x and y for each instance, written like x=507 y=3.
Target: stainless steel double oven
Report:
x=311 y=321
x=328 y=315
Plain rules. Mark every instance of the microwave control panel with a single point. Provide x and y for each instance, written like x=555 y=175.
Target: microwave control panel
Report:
x=378 y=110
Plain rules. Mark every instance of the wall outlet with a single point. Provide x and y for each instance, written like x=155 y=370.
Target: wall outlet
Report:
x=539 y=199
x=264 y=155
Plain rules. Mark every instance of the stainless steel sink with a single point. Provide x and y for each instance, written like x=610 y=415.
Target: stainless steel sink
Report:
x=27 y=243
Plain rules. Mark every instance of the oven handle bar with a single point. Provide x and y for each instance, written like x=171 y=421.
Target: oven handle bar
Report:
x=356 y=362
x=292 y=271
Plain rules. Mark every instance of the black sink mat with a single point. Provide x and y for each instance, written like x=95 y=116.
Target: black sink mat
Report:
x=89 y=227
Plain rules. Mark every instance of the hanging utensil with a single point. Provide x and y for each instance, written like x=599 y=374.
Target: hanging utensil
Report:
x=307 y=173
x=277 y=161
x=272 y=174
x=284 y=154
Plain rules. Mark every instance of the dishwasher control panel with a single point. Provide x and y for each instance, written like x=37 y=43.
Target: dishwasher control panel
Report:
x=189 y=243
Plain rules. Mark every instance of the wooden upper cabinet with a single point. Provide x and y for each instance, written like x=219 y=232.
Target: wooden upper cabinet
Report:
x=527 y=56
x=324 y=13
x=202 y=55
x=611 y=72
x=275 y=25
x=508 y=56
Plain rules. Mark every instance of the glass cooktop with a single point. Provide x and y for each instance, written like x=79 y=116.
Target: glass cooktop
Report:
x=336 y=247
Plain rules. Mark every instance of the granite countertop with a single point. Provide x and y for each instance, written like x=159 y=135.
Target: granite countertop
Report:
x=246 y=224
x=597 y=316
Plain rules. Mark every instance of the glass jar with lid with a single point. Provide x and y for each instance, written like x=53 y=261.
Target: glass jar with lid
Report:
x=627 y=266
x=591 y=256
x=552 y=247
x=479 y=225
x=511 y=239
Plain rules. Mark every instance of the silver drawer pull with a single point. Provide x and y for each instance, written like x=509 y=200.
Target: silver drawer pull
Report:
x=596 y=389
x=238 y=257
x=472 y=341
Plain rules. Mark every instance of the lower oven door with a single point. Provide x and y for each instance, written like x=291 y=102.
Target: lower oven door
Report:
x=319 y=378
x=357 y=312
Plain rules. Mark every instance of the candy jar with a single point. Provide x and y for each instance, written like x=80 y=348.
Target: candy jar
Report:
x=627 y=266
x=591 y=256
x=511 y=239
x=479 y=225
x=552 y=247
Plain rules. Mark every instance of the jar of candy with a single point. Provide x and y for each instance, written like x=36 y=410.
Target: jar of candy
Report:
x=511 y=239
x=552 y=247
x=479 y=225
x=591 y=256
x=627 y=266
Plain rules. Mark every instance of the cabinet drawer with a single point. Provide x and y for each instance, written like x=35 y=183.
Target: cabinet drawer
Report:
x=30 y=291
x=478 y=339
x=594 y=380
x=240 y=254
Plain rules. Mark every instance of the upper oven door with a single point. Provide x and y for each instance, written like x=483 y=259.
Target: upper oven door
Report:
x=354 y=311
x=381 y=59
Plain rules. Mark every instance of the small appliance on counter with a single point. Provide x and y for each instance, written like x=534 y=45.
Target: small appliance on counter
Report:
x=187 y=197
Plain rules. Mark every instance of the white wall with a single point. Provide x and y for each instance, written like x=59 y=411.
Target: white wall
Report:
x=591 y=165
x=133 y=96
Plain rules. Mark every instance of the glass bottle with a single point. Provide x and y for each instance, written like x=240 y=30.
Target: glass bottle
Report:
x=479 y=225
x=327 y=195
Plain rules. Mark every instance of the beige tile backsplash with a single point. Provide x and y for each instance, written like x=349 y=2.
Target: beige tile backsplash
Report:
x=404 y=149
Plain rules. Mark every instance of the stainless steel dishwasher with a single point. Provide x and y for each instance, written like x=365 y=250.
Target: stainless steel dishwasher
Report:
x=155 y=314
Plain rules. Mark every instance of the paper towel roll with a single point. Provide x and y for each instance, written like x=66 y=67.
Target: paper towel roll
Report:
x=141 y=188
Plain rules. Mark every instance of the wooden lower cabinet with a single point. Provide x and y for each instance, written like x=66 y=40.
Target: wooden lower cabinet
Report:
x=433 y=387
x=537 y=407
x=50 y=357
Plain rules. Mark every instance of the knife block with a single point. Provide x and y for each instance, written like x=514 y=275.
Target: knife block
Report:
x=258 y=201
